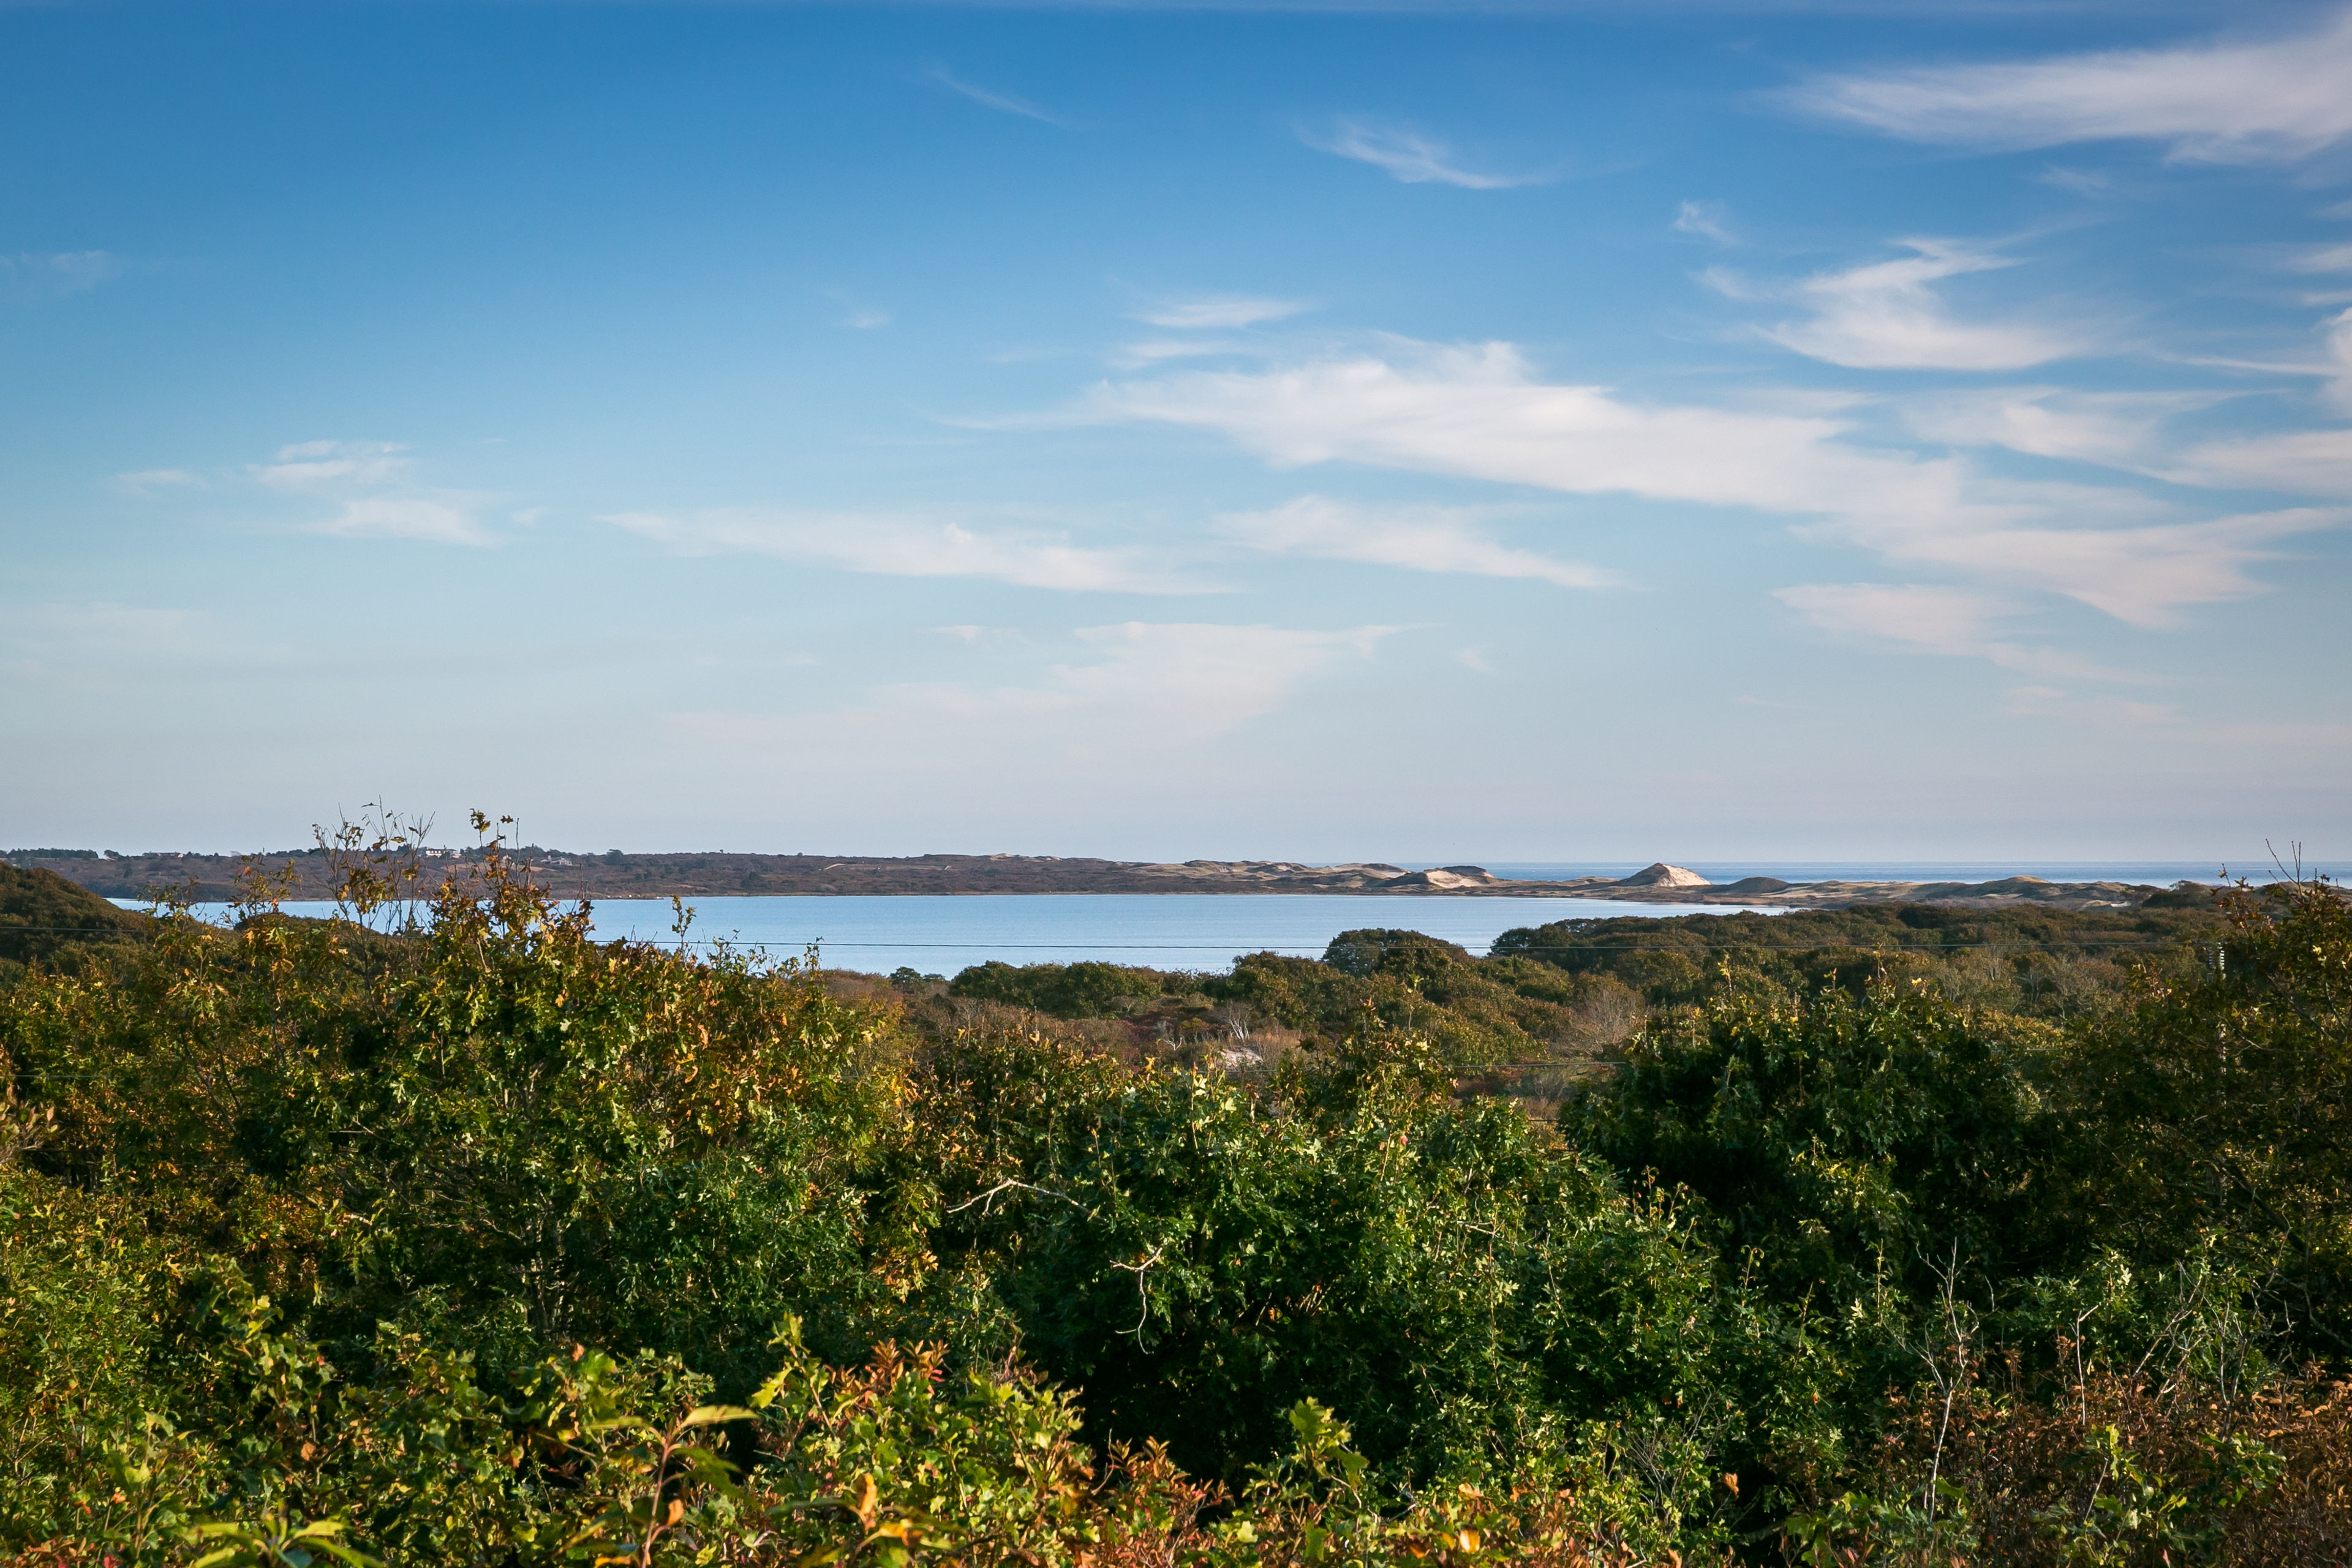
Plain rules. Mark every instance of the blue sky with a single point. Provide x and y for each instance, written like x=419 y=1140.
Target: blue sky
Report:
x=1552 y=432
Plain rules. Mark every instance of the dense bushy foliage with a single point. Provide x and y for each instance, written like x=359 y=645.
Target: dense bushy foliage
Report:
x=1842 y=1142
x=43 y=916
x=1198 y=1257
x=485 y=1242
x=2035 y=961
x=1468 y=1010
x=1081 y=990
x=2217 y=1104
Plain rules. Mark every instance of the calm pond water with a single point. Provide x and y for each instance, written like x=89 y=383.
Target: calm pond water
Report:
x=2160 y=873
x=939 y=935
x=936 y=935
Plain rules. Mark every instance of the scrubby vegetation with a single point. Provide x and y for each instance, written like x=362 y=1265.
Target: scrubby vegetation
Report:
x=1884 y=1235
x=42 y=915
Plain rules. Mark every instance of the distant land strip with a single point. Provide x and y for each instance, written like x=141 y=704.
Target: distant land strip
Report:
x=314 y=874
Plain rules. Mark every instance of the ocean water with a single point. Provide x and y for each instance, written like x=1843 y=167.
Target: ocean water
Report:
x=1205 y=932
x=2159 y=873
x=939 y=935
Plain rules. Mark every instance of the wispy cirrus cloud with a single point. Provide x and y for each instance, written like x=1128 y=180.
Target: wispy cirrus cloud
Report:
x=153 y=482
x=1003 y=102
x=2306 y=462
x=317 y=465
x=1706 y=219
x=1934 y=619
x=2335 y=258
x=2301 y=462
x=368 y=483
x=1408 y=155
x=1218 y=312
x=1138 y=688
x=1151 y=684
x=2338 y=337
x=1938 y=619
x=2131 y=430
x=895 y=545
x=2116 y=430
x=2216 y=100
x=1480 y=411
x=2092 y=182
x=975 y=636
x=2144 y=574
x=1415 y=538
x=1888 y=315
x=1159 y=351
x=49 y=274
x=436 y=520
x=1201 y=313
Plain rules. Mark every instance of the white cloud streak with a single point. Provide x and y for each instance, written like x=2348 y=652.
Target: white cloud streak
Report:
x=406 y=517
x=2307 y=462
x=1157 y=350
x=2142 y=576
x=312 y=466
x=1183 y=680
x=2088 y=183
x=1887 y=315
x=1955 y=622
x=2322 y=258
x=366 y=481
x=2117 y=429
x=1480 y=412
x=975 y=636
x=148 y=481
x=1705 y=219
x=904 y=545
x=1214 y=312
x=1149 y=688
x=53 y=274
x=2220 y=101
x=2339 y=354
x=1940 y=620
x=1416 y=538
x=1003 y=102
x=1409 y=156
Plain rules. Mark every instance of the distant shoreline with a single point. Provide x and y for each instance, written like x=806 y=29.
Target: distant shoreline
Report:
x=313 y=875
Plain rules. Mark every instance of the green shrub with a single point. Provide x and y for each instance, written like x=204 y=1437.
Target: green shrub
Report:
x=482 y=1242
x=1081 y=990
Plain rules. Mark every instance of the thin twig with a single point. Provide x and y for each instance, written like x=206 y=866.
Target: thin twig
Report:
x=1142 y=1295
x=989 y=1197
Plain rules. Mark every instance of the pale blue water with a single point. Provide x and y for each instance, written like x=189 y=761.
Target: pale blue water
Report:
x=939 y=935
x=2159 y=873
